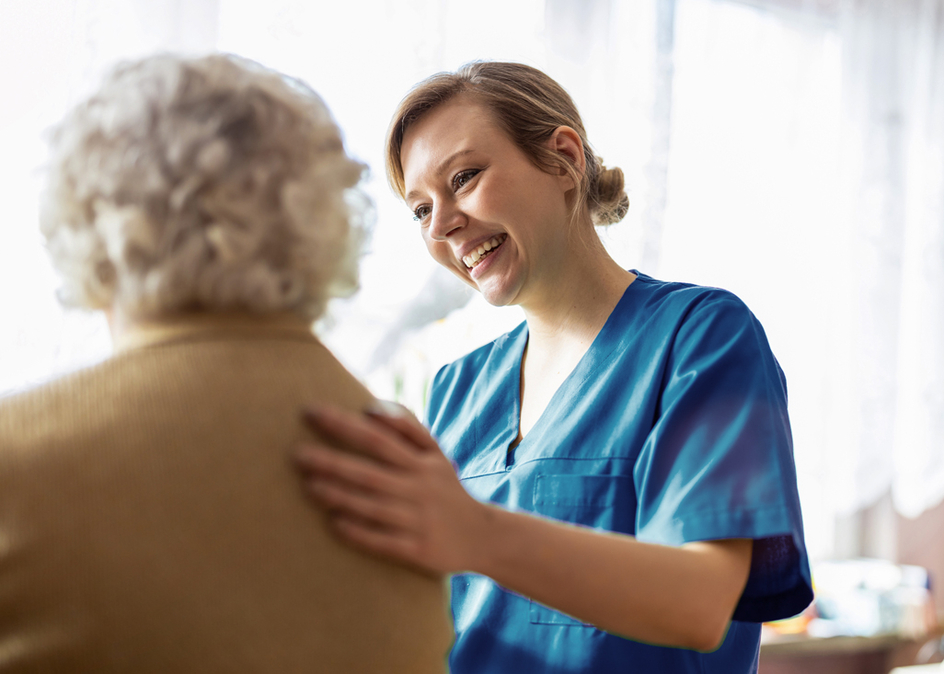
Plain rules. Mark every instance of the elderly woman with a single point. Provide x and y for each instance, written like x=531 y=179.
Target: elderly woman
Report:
x=208 y=206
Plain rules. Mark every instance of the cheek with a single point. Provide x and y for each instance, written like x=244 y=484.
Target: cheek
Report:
x=439 y=251
x=442 y=253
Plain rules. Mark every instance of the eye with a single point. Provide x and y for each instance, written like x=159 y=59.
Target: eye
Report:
x=421 y=213
x=462 y=178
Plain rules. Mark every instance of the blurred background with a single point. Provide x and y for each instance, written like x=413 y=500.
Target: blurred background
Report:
x=791 y=151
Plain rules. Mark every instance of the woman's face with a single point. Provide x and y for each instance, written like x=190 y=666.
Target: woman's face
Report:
x=487 y=213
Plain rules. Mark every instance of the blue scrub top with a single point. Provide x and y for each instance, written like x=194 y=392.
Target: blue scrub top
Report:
x=672 y=428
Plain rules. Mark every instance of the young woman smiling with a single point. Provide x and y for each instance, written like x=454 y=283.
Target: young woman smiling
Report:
x=626 y=495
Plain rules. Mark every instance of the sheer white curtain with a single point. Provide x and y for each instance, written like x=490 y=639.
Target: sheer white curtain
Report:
x=919 y=427
x=883 y=408
x=791 y=151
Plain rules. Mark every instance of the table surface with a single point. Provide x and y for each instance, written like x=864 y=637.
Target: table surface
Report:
x=804 y=645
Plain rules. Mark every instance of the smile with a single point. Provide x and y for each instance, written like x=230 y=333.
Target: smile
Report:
x=474 y=258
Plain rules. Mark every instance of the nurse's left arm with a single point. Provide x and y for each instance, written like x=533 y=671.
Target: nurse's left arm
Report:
x=402 y=500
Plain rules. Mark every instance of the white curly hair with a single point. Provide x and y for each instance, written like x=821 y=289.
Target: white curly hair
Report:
x=207 y=183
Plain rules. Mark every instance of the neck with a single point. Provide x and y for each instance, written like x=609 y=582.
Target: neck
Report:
x=577 y=298
x=129 y=332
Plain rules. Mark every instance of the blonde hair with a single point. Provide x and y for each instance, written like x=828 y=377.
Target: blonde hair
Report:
x=206 y=183
x=529 y=106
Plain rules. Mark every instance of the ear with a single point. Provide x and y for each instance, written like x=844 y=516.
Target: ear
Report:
x=567 y=142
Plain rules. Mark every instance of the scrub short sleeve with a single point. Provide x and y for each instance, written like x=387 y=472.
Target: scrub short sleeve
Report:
x=718 y=462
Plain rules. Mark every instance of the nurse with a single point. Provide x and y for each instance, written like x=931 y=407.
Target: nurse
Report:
x=626 y=497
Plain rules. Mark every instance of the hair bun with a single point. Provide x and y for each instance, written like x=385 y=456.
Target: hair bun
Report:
x=609 y=201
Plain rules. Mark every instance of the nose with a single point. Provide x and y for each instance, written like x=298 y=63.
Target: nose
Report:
x=446 y=220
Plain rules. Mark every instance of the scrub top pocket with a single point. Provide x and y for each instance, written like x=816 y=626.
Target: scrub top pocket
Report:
x=600 y=501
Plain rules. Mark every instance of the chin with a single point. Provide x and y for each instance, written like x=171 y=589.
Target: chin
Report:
x=498 y=297
x=497 y=289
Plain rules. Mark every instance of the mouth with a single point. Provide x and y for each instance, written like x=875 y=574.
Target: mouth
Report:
x=475 y=258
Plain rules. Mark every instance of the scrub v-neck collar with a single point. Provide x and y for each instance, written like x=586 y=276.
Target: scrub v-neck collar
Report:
x=606 y=340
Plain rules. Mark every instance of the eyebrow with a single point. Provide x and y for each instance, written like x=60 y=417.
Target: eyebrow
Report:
x=440 y=168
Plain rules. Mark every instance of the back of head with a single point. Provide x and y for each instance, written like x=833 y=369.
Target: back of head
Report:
x=529 y=106
x=206 y=183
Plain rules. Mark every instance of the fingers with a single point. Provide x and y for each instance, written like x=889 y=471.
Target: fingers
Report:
x=402 y=420
x=374 y=509
x=381 y=542
x=395 y=495
x=323 y=463
x=361 y=433
x=362 y=502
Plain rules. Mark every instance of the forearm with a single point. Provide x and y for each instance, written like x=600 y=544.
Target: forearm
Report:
x=676 y=596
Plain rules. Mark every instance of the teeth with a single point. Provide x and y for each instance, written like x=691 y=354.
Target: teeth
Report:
x=473 y=258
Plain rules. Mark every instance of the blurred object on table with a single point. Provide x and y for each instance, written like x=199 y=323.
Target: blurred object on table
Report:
x=864 y=598
x=872 y=597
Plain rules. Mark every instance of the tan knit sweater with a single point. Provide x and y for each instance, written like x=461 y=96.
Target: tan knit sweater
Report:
x=151 y=521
